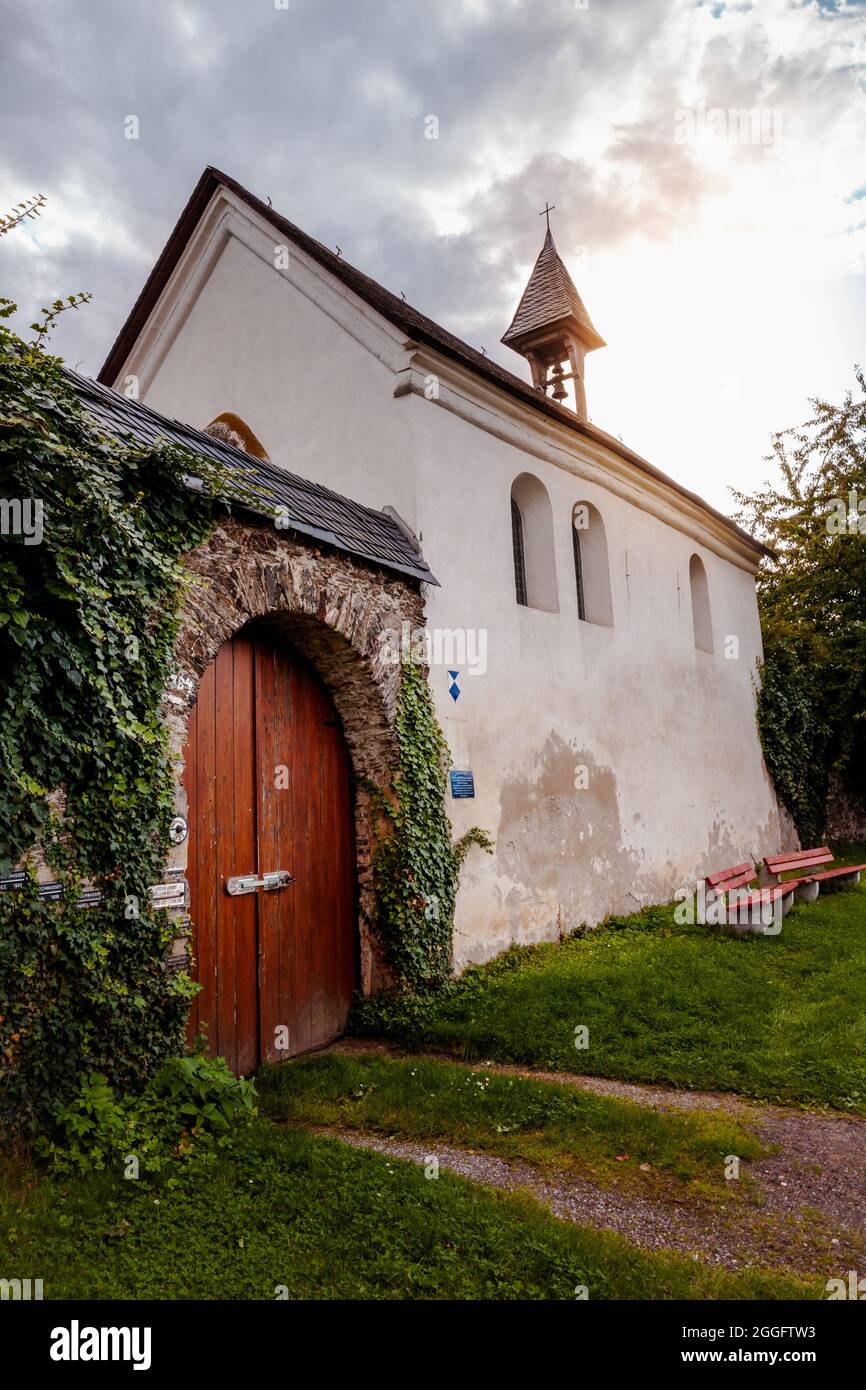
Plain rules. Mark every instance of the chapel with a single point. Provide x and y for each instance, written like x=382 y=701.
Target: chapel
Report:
x=589 y=626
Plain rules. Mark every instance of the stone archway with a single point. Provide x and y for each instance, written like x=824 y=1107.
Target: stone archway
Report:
x=344 y=617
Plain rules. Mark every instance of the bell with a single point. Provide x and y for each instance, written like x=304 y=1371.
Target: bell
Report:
x=559 y=392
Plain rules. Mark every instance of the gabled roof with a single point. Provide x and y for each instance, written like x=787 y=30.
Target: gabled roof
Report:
x=549 y=298
x=415 y=325
x=312 y=510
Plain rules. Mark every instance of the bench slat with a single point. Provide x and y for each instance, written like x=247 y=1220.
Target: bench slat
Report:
x=731 y=878
x=839 y=872
x=761 y=895
x=803 y=859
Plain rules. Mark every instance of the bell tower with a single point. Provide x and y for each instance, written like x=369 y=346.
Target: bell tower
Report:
x=552 y=329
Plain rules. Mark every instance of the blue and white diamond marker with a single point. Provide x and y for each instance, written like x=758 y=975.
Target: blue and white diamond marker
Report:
x=454 y=689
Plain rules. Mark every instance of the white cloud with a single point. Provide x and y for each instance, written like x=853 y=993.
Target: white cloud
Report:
x=726 y=279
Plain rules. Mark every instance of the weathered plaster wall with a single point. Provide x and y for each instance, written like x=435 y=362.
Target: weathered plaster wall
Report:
x=341 y=616
x=674 y=783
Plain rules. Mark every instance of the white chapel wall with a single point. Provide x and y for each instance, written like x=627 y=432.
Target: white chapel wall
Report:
x=612 y=765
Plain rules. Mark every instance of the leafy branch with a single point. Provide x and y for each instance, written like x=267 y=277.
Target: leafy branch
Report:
x=31 y=208
x=51 y=313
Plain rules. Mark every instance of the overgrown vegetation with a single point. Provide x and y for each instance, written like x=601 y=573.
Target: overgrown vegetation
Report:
x=90 y=586
x=812 y=707
x=779 y=1018
x=190 y=1099
x=416 y=866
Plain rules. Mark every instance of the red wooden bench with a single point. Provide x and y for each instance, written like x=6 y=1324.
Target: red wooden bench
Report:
x=747 y=909
x=807 y=885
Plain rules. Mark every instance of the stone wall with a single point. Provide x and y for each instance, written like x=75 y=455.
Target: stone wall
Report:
x=846 y=813
x=342 y=615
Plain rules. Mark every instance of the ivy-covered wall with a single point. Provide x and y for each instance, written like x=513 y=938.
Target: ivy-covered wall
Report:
x=416 y=864
x=106 y=625
x=87 y=629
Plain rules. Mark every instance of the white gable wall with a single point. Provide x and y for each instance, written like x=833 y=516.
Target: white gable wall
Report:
x=241 y=336
x=612 y=765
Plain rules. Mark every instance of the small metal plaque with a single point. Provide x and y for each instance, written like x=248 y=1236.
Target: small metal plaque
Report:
x=51 y=892
x=91 y=897
x=462 y=784
x=168 y=894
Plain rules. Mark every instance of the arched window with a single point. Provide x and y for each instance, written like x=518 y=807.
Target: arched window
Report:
x=701 y=619
x=519 y=557
x=231 y=429
x=591 y=570
x=532 y=544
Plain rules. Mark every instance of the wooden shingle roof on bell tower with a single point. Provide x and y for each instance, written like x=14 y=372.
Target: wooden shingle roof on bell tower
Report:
x=551 y=300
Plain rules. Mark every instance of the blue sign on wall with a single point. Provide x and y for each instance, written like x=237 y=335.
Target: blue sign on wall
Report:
x=462 y=784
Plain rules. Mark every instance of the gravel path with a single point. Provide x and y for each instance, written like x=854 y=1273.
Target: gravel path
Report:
x=808 y=1207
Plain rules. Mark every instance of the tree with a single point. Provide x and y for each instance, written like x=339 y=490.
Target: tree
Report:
x=812 y=598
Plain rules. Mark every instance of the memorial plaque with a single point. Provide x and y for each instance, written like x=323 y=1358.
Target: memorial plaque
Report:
x=462 y=784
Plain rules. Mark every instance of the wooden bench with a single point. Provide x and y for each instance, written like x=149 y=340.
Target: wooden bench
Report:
x=749 y=910
x=807 y=885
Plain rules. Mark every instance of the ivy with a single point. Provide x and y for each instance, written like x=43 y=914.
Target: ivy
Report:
x=415 y=864
x=812 y=601
x=794 y=740
x=89 y=611
x=88 y=619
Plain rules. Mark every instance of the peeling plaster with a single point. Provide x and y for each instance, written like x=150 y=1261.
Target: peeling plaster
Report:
x=561 y=846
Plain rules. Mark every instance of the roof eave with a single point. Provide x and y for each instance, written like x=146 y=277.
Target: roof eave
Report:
x=212 y=179
x=527 y=337
x=159 y=276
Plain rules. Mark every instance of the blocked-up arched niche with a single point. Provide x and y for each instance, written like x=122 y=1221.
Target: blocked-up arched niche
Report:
x=532 y=544
x=702 y=622
x=591 y=567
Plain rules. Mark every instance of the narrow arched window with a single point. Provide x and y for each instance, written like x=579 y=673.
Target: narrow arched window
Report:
x=591 y=568
x=532 y=544
x=519 y=556
x=702 y=623
x=231 y=429
x=578 y=575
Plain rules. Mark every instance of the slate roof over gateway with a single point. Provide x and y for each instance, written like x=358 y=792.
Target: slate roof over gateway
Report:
x=395 y=310
x=313 y=510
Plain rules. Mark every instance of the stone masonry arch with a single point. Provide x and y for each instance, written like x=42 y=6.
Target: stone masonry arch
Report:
x=344 y=616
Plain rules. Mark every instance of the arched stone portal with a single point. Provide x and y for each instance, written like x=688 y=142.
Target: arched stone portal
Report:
x=344 y=617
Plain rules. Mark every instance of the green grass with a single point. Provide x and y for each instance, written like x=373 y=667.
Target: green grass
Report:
x=549 y=1125
x=326 y=1222
x=778 y=1018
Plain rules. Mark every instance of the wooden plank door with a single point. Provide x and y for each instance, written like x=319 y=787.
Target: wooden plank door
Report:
x=267 y=778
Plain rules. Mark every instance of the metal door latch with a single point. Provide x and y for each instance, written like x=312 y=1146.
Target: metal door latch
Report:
x=248 y=883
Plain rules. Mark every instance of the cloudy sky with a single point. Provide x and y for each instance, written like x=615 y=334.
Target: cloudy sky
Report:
x=706 y=161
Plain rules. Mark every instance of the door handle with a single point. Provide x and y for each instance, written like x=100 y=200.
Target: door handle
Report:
x=248 y=883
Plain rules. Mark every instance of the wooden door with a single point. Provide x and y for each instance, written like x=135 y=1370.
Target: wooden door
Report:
x=267 y=778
